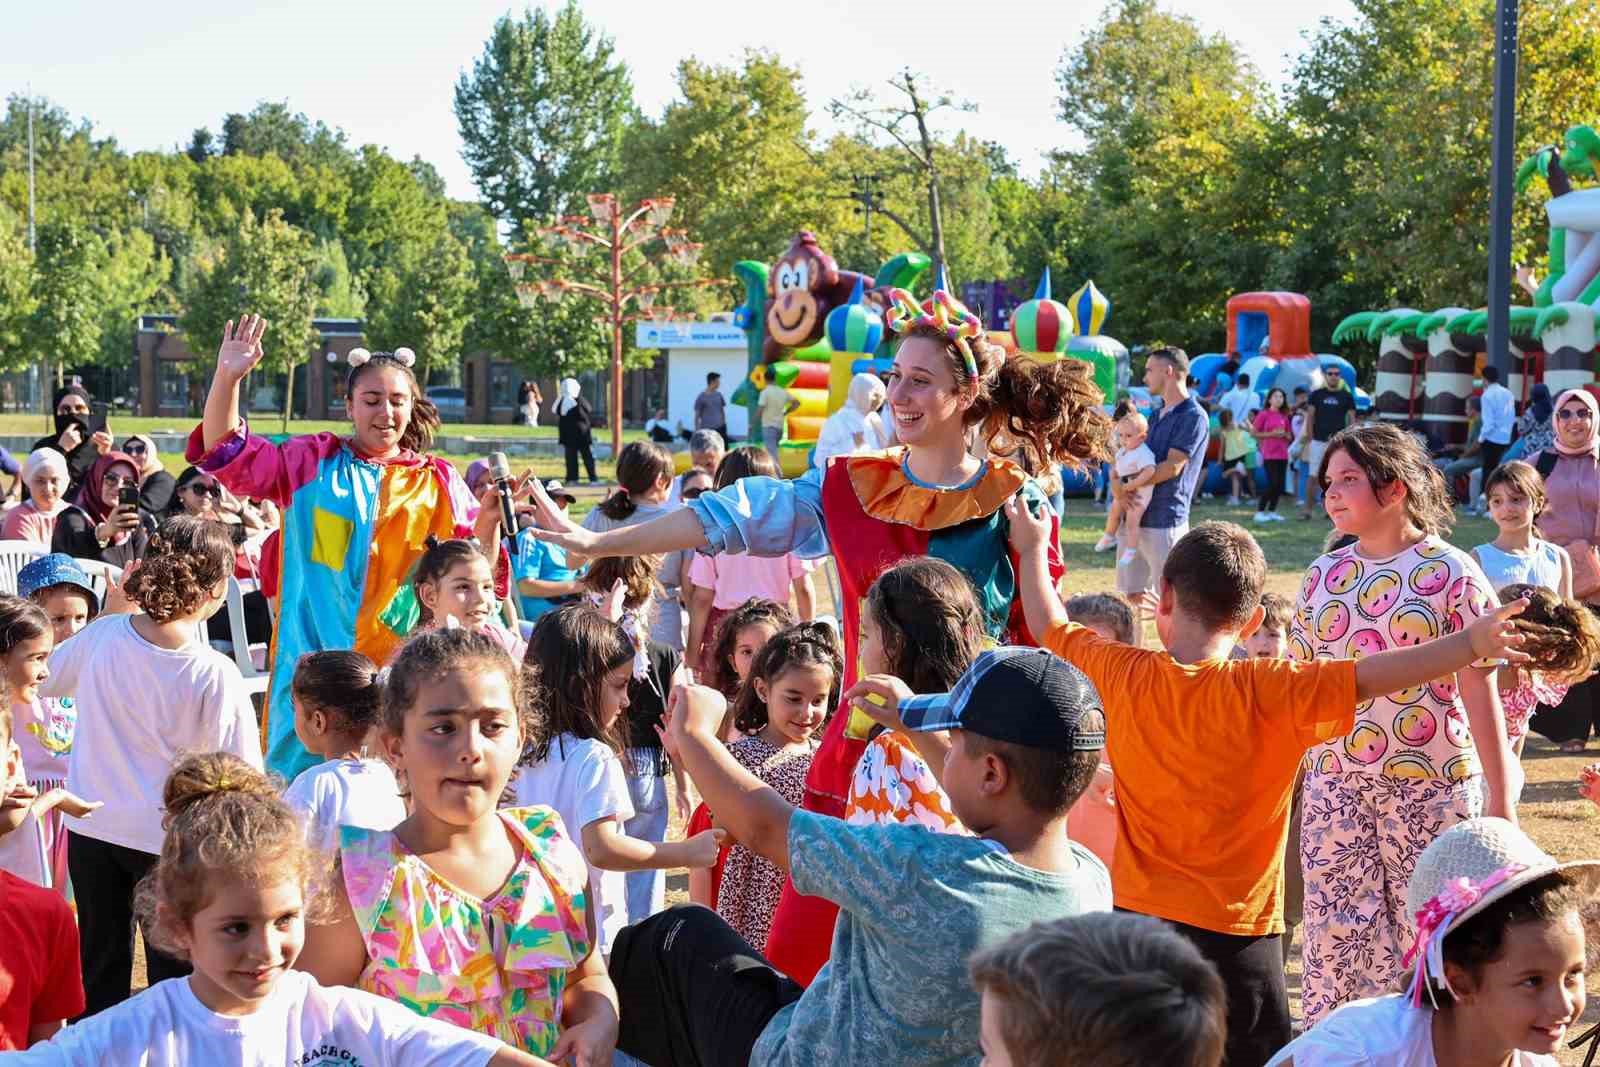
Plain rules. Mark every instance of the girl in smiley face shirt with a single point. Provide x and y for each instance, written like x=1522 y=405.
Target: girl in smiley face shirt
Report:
x=1418 y=761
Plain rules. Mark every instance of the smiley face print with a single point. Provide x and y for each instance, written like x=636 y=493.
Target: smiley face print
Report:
x=1333 y=621
x=1343 y=576
x=1412 y=625
x=1415 y=726
x=1430 y=577
x=1366 y=743
x=1379 y=594
x=1365 y=643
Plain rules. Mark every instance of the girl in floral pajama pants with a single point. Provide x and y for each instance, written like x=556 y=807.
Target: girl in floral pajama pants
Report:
x=1417 y=761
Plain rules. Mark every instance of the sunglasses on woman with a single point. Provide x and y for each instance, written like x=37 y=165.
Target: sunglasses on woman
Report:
x=1574 y=413
x=134 y=448
x=213 y=490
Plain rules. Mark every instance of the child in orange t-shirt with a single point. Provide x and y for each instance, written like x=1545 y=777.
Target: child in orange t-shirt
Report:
x=1206 y=749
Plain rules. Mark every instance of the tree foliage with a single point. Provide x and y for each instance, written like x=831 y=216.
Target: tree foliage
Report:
x=542 y=114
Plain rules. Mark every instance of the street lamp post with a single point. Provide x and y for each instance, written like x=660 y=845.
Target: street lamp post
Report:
x=605 y=227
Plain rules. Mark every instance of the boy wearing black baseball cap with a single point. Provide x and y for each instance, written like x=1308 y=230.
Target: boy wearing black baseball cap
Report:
x=1025 y=731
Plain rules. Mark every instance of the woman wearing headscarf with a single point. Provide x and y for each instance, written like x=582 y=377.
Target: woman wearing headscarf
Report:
x=96 y=526
x=1571 y=518
x=855 y=426
x=1535 y=428
x=72 y=438
x=575 y=422
x=156 y=486
x=45 y=475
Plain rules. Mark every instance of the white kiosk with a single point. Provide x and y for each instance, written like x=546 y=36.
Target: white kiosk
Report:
x=692 y=350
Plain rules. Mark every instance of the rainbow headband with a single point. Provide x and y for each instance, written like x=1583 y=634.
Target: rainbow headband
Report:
x=941 y=311
x=1434 y=922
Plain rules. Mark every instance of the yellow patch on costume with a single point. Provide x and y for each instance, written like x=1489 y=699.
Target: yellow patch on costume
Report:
x=330 y=540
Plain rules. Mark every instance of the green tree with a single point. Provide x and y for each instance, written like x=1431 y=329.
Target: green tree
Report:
x=65 y=325
x=420 y=302
x=269 y=268
x=16 y=291
x=733 y=152
x=272 y=129
x=542 y=114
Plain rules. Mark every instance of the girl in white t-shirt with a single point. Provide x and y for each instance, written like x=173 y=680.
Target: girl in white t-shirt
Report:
x=573 y=763
x=230 y=893
x=1498 y=962
x=454 y=586
x=336 y=698
x=148 y=689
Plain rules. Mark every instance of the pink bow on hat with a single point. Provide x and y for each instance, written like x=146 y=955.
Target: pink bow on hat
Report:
x=1434 y=921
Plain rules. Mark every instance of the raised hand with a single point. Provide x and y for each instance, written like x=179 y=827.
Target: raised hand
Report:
x=554 y=526
x=1029 y=529
x=241 y=346
x=1496 y=635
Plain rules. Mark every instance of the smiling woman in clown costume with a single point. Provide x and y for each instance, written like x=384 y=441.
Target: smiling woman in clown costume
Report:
x=358 y=512
x=1418 y=761
x=929 y=496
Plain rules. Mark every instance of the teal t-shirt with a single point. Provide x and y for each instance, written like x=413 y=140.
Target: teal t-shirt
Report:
x=539 y=561
x=913 y=906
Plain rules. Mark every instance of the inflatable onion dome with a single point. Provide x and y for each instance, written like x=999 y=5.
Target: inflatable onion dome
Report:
x=1042 y=325
x=854 y=327
x=1091 y=308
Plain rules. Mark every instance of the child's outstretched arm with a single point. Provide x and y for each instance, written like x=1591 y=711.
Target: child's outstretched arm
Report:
x=607 y=847
x=1493 y=636
x=752 y=812
x=1030 y=534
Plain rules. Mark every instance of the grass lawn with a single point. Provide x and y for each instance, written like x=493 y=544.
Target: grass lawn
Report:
x=122 y=425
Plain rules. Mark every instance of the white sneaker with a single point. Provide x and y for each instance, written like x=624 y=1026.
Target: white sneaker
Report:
x=1262 y=517
x=1273 y=516
x=1106 y=543
x=1127 y=557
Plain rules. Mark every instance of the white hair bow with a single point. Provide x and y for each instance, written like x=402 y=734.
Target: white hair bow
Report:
x=361 y=356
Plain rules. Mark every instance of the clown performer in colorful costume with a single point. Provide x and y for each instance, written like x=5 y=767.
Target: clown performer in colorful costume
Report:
x=357 y=513
x=929 y=496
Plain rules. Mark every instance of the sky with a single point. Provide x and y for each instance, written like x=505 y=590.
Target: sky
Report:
x=149 y=73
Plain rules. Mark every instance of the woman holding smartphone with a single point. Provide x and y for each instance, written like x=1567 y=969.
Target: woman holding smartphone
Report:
x=105 y=521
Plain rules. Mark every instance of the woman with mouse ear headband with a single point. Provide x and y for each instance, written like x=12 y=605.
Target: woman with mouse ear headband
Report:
x=358 y=509
x=929 y=496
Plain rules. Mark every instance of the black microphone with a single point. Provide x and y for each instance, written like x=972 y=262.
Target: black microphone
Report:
x=500 y=471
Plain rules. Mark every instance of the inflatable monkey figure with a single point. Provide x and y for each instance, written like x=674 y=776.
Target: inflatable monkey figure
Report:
x=802 y=287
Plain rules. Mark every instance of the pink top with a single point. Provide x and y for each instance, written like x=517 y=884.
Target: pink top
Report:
x=1573 y=489
x=737 y=578
x=1272 y=447
x=27 y=523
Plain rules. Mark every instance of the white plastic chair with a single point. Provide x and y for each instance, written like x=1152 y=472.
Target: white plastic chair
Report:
x=14 y=555
x=255 y=681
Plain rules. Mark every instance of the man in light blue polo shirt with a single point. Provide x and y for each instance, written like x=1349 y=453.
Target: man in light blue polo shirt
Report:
x=1177 y=437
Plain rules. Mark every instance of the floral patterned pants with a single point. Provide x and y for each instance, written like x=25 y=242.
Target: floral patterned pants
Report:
x=1360 y=837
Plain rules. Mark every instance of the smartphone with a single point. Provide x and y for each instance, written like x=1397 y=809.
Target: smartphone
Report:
x=88 y=425
x=128 y=497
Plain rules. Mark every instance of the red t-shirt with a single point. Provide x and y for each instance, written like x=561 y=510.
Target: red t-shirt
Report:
x=40 y=977
x=699 y=823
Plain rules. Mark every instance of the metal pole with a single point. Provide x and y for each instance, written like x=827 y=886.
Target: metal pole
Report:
x=43 y=370
x=1500 y=196
x=616 y=331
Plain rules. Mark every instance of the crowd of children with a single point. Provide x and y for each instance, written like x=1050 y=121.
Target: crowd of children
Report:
x=1083 y=852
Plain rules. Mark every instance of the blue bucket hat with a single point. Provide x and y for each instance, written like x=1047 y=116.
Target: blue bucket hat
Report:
x=57 y=568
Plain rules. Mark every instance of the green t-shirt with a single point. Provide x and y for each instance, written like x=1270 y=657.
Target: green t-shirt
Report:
x=913 y=906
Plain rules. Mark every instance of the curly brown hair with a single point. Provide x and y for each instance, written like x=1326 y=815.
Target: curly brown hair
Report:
x=1389 y=455
x=221 y=815
x=1561 y=634
x=753 y=612
x=1048 y=412
x=188 y=559
x=425 y=420
x=805 y=644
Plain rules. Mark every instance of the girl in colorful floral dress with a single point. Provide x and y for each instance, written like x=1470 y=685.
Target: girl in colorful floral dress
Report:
x=464 y=913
